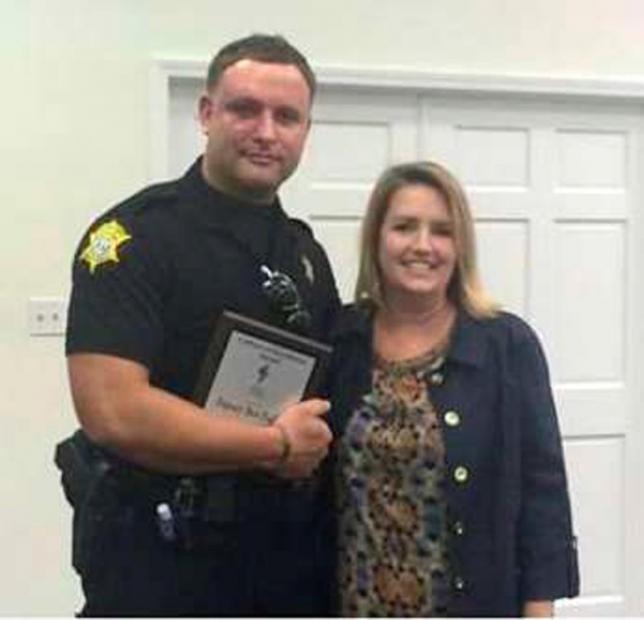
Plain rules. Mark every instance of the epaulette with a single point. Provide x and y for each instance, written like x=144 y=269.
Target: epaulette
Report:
x=109 y=224
x=302 y=224
x=152 y=196
x=353 y=320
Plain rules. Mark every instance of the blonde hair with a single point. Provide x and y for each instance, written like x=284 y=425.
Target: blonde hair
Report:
x=465 y=290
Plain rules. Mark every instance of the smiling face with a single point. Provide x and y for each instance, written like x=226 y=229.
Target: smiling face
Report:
x=416 y=249
x=256 y=120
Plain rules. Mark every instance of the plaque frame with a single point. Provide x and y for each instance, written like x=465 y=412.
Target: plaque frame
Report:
x=230 y=322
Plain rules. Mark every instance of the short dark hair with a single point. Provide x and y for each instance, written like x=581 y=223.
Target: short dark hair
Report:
x=262 y=48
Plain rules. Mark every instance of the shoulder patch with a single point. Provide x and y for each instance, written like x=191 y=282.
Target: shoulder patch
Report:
x=103 y=244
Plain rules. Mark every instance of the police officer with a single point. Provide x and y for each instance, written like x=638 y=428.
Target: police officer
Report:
x=178 y=512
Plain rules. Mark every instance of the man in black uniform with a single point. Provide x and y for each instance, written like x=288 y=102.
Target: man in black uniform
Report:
x=178 y=512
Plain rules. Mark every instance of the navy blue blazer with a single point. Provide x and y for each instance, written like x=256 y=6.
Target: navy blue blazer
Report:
x=508 y=508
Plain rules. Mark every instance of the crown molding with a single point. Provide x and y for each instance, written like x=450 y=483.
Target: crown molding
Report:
x=397 y=77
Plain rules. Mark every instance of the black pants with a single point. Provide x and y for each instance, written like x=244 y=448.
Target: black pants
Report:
x=262 y=564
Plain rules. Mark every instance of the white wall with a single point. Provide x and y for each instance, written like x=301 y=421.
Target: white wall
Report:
x=74 y=139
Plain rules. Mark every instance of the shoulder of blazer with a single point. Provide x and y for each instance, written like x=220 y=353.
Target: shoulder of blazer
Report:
x=474 y=339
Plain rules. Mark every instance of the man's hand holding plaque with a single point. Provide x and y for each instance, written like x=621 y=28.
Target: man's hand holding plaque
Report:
x=261 y=374
x=305 y=437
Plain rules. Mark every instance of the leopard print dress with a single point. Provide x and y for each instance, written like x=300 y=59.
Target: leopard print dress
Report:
x=393 y=553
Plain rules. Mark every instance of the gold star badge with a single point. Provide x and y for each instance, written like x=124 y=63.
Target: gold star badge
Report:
x=103 y=244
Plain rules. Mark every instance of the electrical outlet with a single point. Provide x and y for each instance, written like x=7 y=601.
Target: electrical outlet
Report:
x=47 y=316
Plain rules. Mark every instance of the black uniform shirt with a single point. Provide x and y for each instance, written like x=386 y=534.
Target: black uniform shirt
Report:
x=153 y=273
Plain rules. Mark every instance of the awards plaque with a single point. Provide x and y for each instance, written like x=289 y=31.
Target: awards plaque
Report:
x=253 y=370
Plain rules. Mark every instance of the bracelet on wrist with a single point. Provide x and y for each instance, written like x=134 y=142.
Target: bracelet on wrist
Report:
x=285 y=443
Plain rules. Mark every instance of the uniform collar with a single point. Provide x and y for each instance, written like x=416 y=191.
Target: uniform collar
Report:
x=195 y=185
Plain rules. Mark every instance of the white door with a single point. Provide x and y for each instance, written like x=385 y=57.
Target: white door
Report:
x=553 y=185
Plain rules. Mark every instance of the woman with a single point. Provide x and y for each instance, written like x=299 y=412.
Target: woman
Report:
x=453 y=494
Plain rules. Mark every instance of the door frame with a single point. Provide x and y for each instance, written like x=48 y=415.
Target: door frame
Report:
x=168 y=73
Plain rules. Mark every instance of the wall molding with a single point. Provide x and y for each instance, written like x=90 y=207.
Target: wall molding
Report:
x=391 y=76
x=508 y=84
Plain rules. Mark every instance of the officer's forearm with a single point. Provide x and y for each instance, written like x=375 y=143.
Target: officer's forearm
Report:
x=120 y=410
x=172 y=435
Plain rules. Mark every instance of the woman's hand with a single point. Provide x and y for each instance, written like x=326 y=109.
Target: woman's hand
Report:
x=538 y=609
